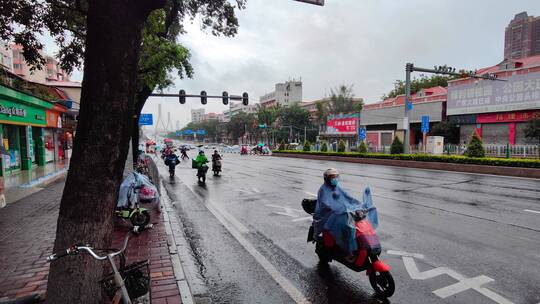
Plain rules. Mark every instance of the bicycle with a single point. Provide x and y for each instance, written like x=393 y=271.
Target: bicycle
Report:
x=126 y=282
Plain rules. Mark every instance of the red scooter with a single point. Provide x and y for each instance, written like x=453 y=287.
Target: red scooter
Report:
x=367 y=257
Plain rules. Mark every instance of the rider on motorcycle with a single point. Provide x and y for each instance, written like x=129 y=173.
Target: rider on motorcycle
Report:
x=171 y=160
x=183 y=150
x=200 y=160
x=335 y=213
x=215 y=161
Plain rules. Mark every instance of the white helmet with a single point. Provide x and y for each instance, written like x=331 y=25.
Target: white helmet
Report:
x=330 y=172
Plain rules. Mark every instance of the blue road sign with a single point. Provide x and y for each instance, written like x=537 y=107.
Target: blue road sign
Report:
x=188 y=132
x=200 y=132
x=146 y=120
x=362 y=133
x=425 y=124
x=178 y=133
x=409 y=106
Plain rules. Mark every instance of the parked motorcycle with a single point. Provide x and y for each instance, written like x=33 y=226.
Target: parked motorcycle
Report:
x=216 y=166
x=137 y=215
x=367 y=257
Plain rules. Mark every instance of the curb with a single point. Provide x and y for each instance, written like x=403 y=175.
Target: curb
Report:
x=43 y=179
x=440 y=166
x=181 y=281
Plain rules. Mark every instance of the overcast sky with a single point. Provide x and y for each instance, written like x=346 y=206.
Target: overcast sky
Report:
x=365 y=43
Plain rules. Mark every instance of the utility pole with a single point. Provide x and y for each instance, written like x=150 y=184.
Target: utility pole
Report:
x=305 y=129
x=444 y=70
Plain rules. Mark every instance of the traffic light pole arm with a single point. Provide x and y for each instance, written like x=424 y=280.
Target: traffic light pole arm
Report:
x=232 y=97
x=417 y=69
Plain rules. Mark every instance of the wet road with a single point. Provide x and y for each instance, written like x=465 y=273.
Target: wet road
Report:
x=449 y=237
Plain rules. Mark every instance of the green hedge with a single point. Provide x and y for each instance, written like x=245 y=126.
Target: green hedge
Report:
x=457 y=159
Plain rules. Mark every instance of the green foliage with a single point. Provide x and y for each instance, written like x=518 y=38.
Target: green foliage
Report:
x=396 y=147
x=240 y=124
x=475 y=148
x=342 y=101
x=294 y=115
x=267 y=116
x=458 y=159
x=324 y=147
x=307 y=146
x=282 y=146
x=362 y=148
x=322 y=112
x=341 y=146
x=423 y=82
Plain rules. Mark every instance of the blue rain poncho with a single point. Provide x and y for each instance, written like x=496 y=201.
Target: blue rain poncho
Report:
x=333 y=213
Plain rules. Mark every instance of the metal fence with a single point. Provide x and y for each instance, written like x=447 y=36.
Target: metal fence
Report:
x=514 y=151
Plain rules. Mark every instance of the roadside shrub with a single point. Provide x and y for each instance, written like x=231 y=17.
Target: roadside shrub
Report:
x=341 y=146
x=281 y=145
x=362 y=148
x=396 y=147
x=324 y=147
x=475 y=148
x=459 y=159
x=307 y=146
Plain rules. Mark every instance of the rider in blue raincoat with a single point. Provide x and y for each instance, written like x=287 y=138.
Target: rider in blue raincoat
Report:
x=334 y=212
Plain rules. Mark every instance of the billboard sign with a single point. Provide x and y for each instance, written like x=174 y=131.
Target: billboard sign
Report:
x=342 y=124
x=519 y=92
x=146 y=120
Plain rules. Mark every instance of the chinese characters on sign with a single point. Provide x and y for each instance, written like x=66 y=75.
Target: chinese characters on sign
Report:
x=342 y=124
x=520 y=92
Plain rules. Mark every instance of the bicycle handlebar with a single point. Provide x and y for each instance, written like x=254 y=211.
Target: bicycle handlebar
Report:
x=75 y=249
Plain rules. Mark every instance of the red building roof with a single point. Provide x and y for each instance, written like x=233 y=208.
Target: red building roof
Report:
x=425 y=95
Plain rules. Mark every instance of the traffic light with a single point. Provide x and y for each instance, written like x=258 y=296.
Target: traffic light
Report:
x=225 y=97
x=182 y=96
x=245 y=98
x=203 y=97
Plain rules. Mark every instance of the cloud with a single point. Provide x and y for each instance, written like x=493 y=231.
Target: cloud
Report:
x=362 y=42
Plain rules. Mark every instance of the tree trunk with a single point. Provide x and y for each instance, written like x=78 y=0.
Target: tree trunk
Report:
x=140 y=100
x=100 y=147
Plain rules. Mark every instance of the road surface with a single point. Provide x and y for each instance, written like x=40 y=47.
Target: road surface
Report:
x=449 y=237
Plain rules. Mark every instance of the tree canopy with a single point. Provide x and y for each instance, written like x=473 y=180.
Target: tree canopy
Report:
x=418 y=83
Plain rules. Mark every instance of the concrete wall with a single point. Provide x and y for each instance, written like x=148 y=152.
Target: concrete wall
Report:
x=392 y=115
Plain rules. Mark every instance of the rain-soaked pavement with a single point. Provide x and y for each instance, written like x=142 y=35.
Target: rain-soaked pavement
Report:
x=449 y=237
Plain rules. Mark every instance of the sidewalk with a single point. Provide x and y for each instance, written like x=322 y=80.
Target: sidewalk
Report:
x=27 y=231
x=20 y=184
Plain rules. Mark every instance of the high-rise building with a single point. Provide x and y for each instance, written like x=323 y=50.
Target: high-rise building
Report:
x=197 y=115
x=285 y=94
x=522 y=37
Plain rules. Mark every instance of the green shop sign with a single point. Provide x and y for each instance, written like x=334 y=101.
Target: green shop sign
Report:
x=20 y=108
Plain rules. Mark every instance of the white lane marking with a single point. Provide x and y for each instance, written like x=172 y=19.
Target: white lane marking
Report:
x=287 y=286
x=307 y=218
x=532 y=211
x=310 y=193
x=287 y=211
x=404 y=253
x=462 y=284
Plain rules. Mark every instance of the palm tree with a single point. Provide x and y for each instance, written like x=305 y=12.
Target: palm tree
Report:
x=342 y=100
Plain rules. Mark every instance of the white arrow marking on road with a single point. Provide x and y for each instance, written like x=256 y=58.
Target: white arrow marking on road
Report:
x=463 y=284
x=532 y=211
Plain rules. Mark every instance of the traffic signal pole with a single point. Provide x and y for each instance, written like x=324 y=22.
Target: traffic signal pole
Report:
x=444 y=70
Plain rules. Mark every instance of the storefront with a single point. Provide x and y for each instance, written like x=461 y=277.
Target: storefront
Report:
x=22 y=123
x=497 y=111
